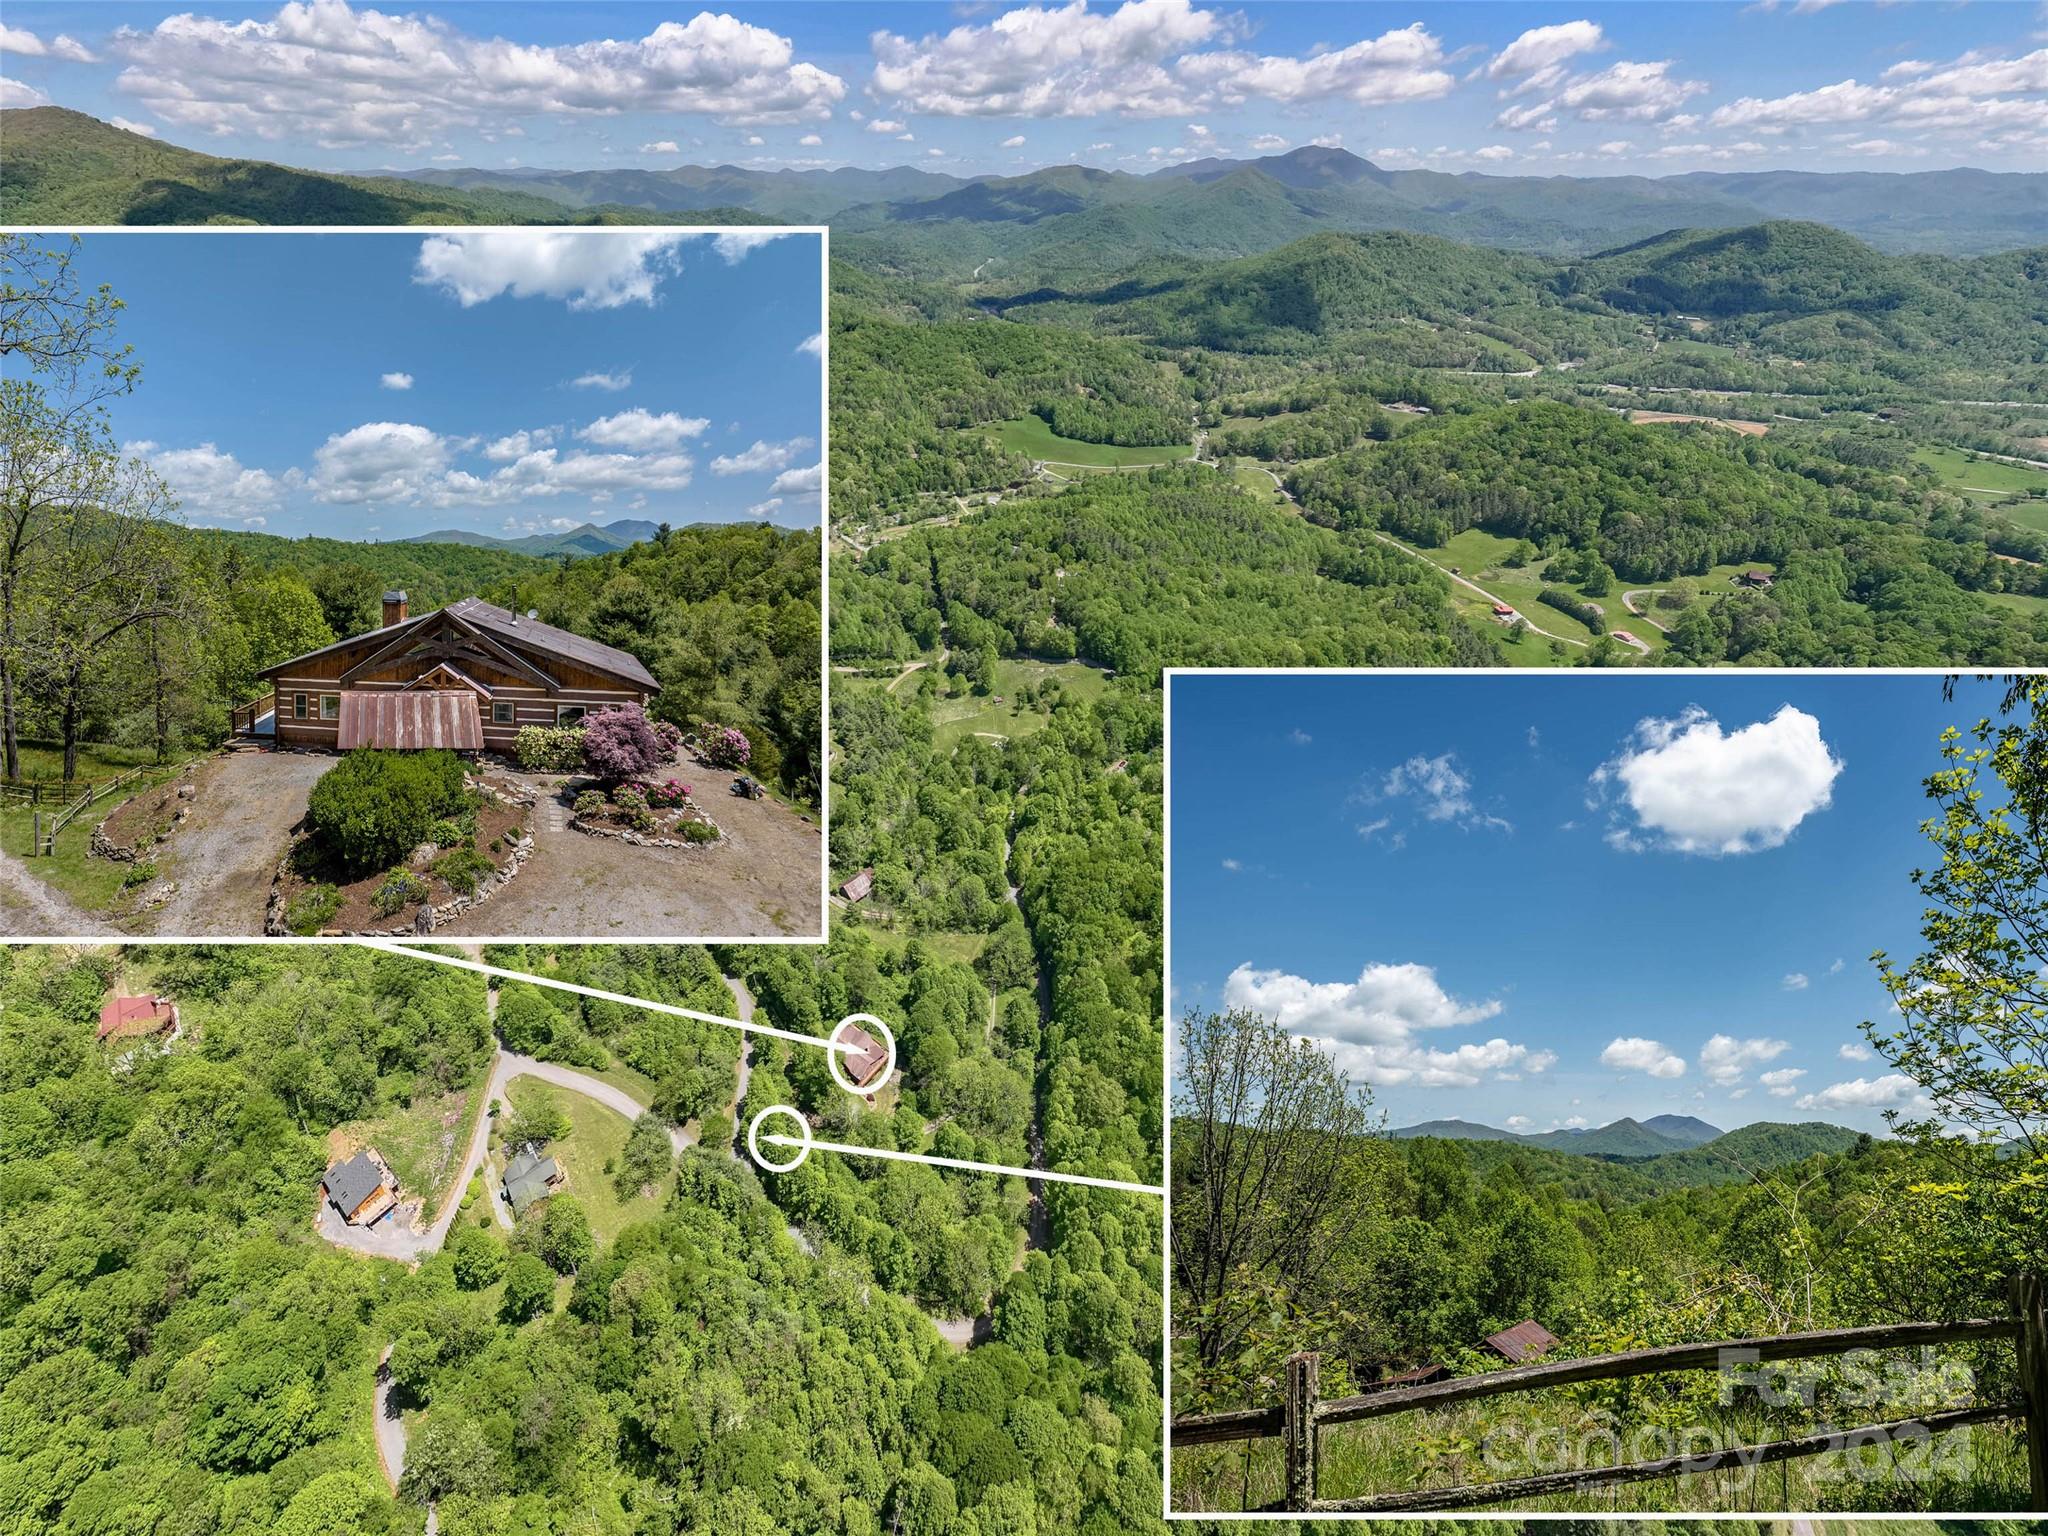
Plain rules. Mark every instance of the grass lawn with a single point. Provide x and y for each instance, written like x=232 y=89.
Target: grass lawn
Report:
x=2019 y=602
x=1985 y=480
x=94 y=762
x=1259 y=483
x=956 y=719
x=960 y=948
x=94 y=884
x=1031 y=436
x=423 y=1142
x=1476 y=555
x=596 y=1137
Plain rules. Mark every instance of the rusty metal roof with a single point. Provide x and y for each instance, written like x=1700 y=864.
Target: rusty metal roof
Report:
x=414 y=718
x=136 y=1016
x=867 y=1058
x=1525 y=1341
x=859 y=886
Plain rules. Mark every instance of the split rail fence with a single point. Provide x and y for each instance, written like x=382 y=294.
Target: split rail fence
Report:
x=1302 y=1415
x=44 y=829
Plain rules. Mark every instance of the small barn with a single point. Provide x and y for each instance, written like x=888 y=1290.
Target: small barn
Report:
x=361 y=1189
x=530 y=1177
x=137 y=1018
x=1527 y=1340
x=860 y=887
x=466 y=677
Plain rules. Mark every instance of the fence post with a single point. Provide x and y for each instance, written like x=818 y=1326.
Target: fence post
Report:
x=2030 y=1305
x=1298 y=1431
x=35 y=833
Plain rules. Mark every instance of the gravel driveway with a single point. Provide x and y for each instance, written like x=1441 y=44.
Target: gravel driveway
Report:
x=765 y=880
x=223 y=858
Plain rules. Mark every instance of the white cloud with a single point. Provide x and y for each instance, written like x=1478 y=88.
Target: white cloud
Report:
x=29 y=46
x=766 y=508
x=129 y=126
x=1518 y=1122
x=1268 y=142
x=1233 y=865
x=1782 y=1083
x=588 y=271
x=395 y=380
x=1795 y=981
x=1546 y=47
x=813 y=344
x=1635 y=1054
x=1853 y=1052
x=1401 y=65
x=1628 y=92
x=1836 y=968
x=338 y=75
x=1441 y=788
x=1369 y=1025
x=1863 y=1093
x=1493 y=152
x=755 y=141
x=1693 y=788
x=761 y=458
x=808 y=481
x=810 y=141
x=1725 y=1059
x=661 y=147
x=640 y=431
x=517 y=445
x=610 y=382
x=19 y=93
x=210 y=483
x=735 y=245
x=1014 y=141
x=885 y=125
x=1971 y=93
x=378 y=461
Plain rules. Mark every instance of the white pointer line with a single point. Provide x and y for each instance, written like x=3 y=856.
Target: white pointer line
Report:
x=957 y=1162
x=742 y=1025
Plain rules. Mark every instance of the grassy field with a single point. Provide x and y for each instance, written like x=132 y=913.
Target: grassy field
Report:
x=997 y=713
x=2018 y=602
x=423 y=1142
x=94 y=761
x=1476 y=554
x=1984 y=480
x=1259 y=483
x=596 y=1138
x=1030 y=435
x=94 y=884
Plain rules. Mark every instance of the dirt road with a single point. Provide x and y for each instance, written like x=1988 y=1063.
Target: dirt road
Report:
x=224 y=856
x=765 y=880
x=31 y=909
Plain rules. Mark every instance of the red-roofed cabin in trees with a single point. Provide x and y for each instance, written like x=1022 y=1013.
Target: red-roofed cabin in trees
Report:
x=866 y=1061
x=860 y=887
x=134 y=1018
x=1527 y=1340
x=468 y=676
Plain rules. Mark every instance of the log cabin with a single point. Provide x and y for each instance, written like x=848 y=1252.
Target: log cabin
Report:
x=467 y=677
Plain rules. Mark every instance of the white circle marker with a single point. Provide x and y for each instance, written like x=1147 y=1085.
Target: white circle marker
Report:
x=873 y=1026
x=754 y=1139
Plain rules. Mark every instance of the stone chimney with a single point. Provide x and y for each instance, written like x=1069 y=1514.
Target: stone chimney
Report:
x=394 y=608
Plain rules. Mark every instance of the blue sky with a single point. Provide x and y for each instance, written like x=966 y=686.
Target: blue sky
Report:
x=975 y=88
x=1539 y=901
x=375 y=386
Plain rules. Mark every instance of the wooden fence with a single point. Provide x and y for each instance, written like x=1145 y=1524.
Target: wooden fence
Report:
x=1302 y=1415
x=44 y=830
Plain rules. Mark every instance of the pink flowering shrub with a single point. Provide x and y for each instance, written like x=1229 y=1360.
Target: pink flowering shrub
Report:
x=621 y=743
x=670 y=736
x=667 y=793
x=727 y=748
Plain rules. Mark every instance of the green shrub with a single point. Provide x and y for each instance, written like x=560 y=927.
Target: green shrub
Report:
x=140 y=873
x=373 y=807
x=590 y=802
x=444 y=834
x=697 y=832
x=401 y=888
x=462 y=868
x=549 y=749
x=311 y=910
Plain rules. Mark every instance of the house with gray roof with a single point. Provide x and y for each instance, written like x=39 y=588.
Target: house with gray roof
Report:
x=530 y=1177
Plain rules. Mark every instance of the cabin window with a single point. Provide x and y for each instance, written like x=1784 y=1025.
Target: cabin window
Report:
x=298 y=706
x=330 y=706
x=501 y=711
x=569 y=714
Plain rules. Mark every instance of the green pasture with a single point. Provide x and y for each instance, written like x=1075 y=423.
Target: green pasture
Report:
x=997 y=712
x=1985 y=480
x=1030 y=435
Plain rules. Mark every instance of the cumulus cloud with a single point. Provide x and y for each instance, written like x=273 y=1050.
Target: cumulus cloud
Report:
x=1782 y=1083
x=813 y=344
x=1794 y=981
x=1145 y=58
x=1518 y=1122
x=735 y=245
x=641 y=431
x=516 y=445
x=324 y=70
x=211 y=483
x=1014 y=141
x=1542 y=48
x=1972 y=93
x=810 y=141
x=1635 y=1054
x=1725 y=1059
x=766 y=508
x=1864 y=1093
x=19 y=93
x=24 y=42
x=403 y=462
x=1370 y=1025
x=125 y=124
x=1853 y=1052
x=395 y=380
x=587 y=271
x=1690 y=787
x=808 y=481
x=661 y=147
x=610 y=382
x=761 y=458
x=378 y=461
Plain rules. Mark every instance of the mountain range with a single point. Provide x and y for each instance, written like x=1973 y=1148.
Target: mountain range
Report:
x=64 y=165
x=590 y=539
x=1659 y=1136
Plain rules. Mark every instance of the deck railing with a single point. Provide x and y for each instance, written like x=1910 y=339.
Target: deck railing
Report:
x=242 y=718
x=1301 y=1416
